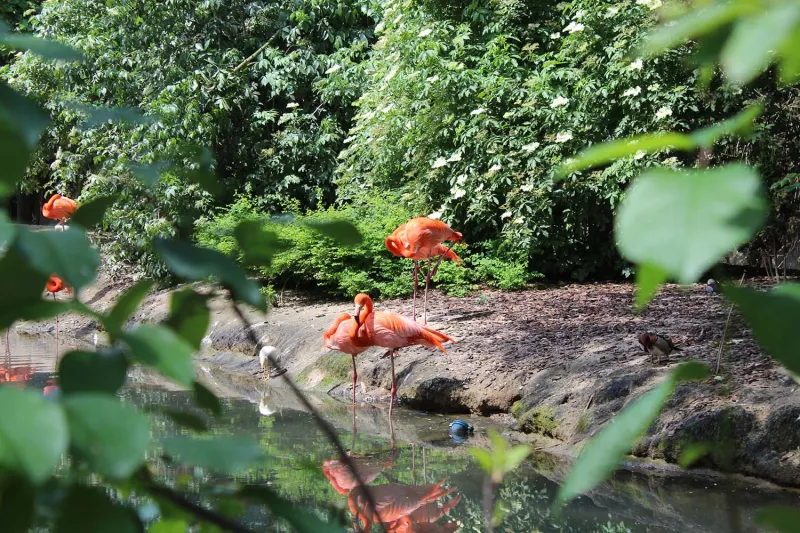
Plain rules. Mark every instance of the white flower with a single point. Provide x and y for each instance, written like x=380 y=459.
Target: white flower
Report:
x=526 y=188
x=458 y=192
x=519 y=220
x=555 y=35
x=639 y=154
x=633 y=91
x=579 y=15
x=559 y=101
x=653 y=87
x=477 y=111
x=652 y=4
x=292 y=105
x=637 y=65
x=432 y=79
x=506 y=214
x=530 y=147
x=392 y=73
x=611 y=11
x=333 y=69
x=573 y=26
x=495 y=168
x=436 y=215
x=439 y=163
x=348 y=140
x=563 y=137
x=663 y=113
x=461 y=179
x=425 y=32
x=455 y=157
x=670 y=161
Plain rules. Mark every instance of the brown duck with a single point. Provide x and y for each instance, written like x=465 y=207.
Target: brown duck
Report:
x=657 y=345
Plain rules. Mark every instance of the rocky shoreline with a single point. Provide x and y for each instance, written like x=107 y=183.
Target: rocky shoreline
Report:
x=563 y=360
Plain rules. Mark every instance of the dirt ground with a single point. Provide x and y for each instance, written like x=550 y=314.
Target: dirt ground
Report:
x=562 y=359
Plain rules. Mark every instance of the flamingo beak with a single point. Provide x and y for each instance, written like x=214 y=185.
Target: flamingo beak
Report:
x=357 y=313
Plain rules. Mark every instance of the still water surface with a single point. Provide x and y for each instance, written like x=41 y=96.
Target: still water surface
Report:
x=422 y=479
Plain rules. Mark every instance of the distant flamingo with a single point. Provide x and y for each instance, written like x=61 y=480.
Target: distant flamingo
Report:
x=338 y=337
x=419 y=239
x=59 y=208
x=54 y=285
x=393 y=331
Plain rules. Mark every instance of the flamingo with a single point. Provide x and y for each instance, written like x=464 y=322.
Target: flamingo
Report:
x=419 y=239
x=59 y=208
x=393 y=331
x=394 y=502
x=54 y=285
x=338 y=337
x=341 y=477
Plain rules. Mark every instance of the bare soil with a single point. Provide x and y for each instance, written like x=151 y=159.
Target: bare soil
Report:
x=563 y=359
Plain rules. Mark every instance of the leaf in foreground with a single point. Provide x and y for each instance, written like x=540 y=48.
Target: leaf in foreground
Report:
x=224 y=454
x=161 y=349
x=779 y=519
x=101 y=371
x=21 y=124
x=33 y=433
x=110 y=436
x=302 y=521
x=206 y=399
x=68 y=254
x=126 y=305
x=603 y=454
x=91 y=213
x=189 y=316
x=90 y=510
x=342 y=232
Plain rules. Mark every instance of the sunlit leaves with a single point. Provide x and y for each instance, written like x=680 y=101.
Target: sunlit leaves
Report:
x=126 y=305
x=257 y=244
x=101 y=371
x=41 y=47
x=91 y=510
x=223 y=454
x=342 y=232
x=604 y=452
x=501 y=459
x=774 y=317
x=110 y=436
x=198 y=264
x=779 y=519
x=161 y=349
x=91 y=213
x=33 y=433
x=683 y=222
x=68 y=254
x=189 y=317
x=21 y=124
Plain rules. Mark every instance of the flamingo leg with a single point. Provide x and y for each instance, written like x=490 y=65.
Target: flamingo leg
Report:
x=8 y=343
x=54 y=299
x=415 y=275
x=394 y=386
x=425 y=302
x=355 y=382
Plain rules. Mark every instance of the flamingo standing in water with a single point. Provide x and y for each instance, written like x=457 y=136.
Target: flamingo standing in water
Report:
x=54 y=285
x=339 y=337
x=419 y=239
x=59 y=208
x=393 y=331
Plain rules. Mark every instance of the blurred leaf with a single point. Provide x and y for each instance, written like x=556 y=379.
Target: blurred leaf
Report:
x=515 y=456
x=26 y=290
x=257 y=244
x=161 y=349
x=206 y=399
x=196 y=167
x=96 y=116
x=41 y=47
x=90 y=510
x=790 y=59
x=300 y=520
x=33 y=433
x=753 y=42
x=7 y=231
x=779 y=519
x=198 y=264
x=112 y=437
x=21 y=124
x=149 y=174
x=684 y=222
x=222 y=454
x=102 y=371
x=68 y=254
x=91 y=213
x=604 y=452
x=342 y=232
x=126 y=305
x=182 y=418
x=773 y=317
x=484 y=459
x=189 y=316
x=694 y=452
x=648 y=279
x=740 y=124
x=168 y=526
x=17 y=504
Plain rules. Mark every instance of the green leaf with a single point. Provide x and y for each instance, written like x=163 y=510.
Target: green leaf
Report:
x=68 y=254
x=102 y=371
x=182 y=418
x=515 y=456
x=206 y=399
x=149 y=174
x=790 y=59
x=752 y=44
x=25 y=292
x=91 y=213
x=96 y=116
x=484 y=459
x=257 y=244
x=90 y=510
x=741 y=124
x=189 y=316
x=342 y=232
x=27 y=419
x=648 y=279
x=198 y=264
x=168 y=526
x=126 y=305
x=694 y=452
x=696 y=22
x=7 y=230
x=110 y=436
x=41 y=47
x=21 y=124
x=604 y=452
x=301 y=521
x=159 y=348
x=222 y=454
x=779 y=519
x=773 y=317
x=17 y=504
x=684 y=222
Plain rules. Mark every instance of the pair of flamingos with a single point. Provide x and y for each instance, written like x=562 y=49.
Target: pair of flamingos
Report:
x=418 y=239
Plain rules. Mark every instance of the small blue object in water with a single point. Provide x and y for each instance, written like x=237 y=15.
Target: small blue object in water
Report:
x=460 y=428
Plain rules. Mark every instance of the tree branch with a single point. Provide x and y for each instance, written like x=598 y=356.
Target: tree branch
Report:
x=254 y=54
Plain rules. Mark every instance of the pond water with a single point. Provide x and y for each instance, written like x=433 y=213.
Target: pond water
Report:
x=423 y=480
